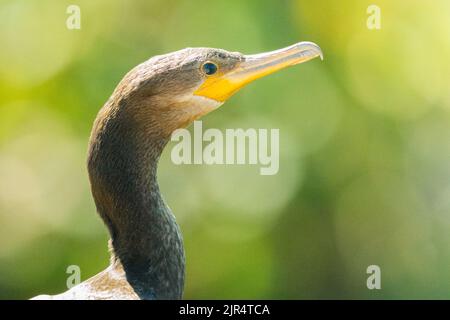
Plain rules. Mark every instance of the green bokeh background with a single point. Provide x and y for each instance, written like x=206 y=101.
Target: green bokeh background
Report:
x=364 y=147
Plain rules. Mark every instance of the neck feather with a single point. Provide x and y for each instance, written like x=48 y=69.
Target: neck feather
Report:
x=122 y=164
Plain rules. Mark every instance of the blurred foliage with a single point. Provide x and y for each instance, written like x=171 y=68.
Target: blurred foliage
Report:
x=365 y=154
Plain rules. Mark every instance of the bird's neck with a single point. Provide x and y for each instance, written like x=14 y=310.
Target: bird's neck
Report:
x=146 y=240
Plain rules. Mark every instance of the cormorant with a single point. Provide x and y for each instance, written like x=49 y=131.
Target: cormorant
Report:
x=131 y=130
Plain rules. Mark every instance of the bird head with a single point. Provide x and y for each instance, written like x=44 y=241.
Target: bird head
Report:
x=179 y=87
x=221 y=78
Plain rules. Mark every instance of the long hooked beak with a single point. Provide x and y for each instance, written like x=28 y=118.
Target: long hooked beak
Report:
x=255 y=66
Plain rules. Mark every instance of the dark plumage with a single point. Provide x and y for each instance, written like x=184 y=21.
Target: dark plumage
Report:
x=131 y=130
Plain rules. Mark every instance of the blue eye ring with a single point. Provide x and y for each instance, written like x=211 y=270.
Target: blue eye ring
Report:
x=209 y=68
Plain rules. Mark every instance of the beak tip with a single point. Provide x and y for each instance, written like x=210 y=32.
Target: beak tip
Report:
x=312 y=47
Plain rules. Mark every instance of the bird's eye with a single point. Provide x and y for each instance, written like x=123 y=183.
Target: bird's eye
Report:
x=209 y=68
